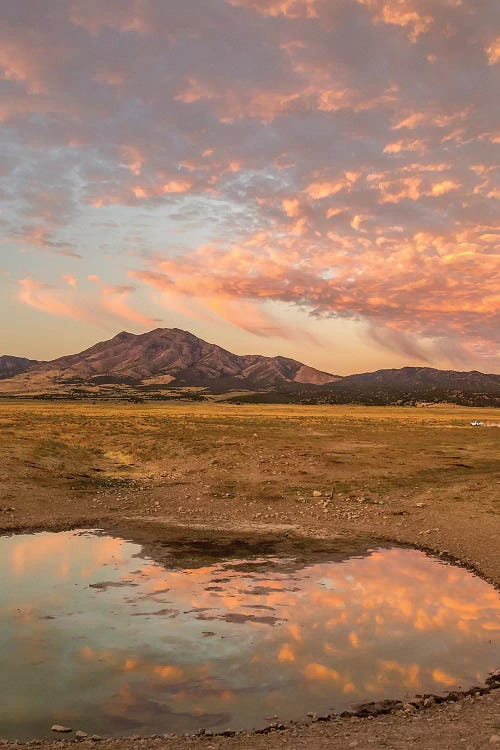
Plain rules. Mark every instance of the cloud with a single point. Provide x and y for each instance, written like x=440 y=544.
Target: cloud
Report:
x=248 y=153
x=70 y=280
x=114 y=300
x=407 y=14
x=493 y=52
x=288 y=8
x=38 y=237
x=49 y=299
x=103 y=309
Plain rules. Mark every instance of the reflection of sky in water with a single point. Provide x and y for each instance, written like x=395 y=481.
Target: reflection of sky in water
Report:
x=97 y=637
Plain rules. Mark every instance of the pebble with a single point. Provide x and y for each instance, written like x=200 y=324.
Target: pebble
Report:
x=408 y=708
x=81 y=735
x=317 y=493
x=60 y=728
x=494 y=739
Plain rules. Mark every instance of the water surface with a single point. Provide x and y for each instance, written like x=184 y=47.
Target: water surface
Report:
x=96 y=636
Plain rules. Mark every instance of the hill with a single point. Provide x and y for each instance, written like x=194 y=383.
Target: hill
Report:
x=10 y=366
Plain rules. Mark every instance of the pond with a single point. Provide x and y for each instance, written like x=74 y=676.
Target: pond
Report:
x=97 y=636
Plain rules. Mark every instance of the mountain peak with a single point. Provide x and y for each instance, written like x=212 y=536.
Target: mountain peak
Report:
x=171 y=355
x=122 y=335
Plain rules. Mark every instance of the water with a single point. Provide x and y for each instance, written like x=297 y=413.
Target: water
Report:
x=96 y=636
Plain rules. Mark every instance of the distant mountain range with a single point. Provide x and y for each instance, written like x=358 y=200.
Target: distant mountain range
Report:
x=418 y=379
x=167 y=360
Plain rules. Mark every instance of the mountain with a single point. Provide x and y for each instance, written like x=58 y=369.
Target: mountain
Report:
x=405 y=386
x=168 y=356
x=159 y=363
x=421 y=379
x=10 y=366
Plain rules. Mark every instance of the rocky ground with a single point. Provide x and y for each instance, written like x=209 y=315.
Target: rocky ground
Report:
x=418 y=476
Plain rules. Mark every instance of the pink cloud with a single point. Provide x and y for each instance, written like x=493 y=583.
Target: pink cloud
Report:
x=70 y=280
x=48 y=299
x=114 y=301
x=247 y=152
x=104 y=309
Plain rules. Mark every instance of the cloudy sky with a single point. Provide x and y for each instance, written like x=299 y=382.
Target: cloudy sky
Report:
x=315 y=178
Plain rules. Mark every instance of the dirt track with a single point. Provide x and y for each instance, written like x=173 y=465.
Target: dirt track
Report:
x=417 y=476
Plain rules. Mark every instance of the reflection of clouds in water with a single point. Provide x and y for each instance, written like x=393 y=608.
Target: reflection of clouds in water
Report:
x=390 y=623
x=53 y=553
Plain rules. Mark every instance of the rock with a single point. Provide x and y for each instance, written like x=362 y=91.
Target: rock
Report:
x=97 y=738
x=375 y=708
x=494 y=739
x=430 y=701
x=60 y=728
x=408 y=708
x=418 y=702
x=81 y=735
x=494 y=678
x=419 y=505
x=317 y=493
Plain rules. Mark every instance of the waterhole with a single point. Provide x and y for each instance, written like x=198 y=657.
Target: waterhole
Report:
x=99 y=637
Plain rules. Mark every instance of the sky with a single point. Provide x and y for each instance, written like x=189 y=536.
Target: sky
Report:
x=312 y=178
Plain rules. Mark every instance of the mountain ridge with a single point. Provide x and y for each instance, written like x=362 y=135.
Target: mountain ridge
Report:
x=169 y=358
x=422 y=378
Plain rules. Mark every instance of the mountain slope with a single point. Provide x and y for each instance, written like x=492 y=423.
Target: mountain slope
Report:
x=420 y=379
x=10 y=366
x=172 y=356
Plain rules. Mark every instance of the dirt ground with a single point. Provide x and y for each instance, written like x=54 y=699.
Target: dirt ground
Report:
x=422 y=476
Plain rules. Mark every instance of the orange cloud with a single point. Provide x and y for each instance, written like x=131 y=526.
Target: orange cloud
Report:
x=404 y=13
x=111 y=303
x=70 y=280
x=273 y=8
x=114 y=301
x=404 y=145
x=44 y=297
x=493 y=51
x=290 y=175
x=441 y=188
